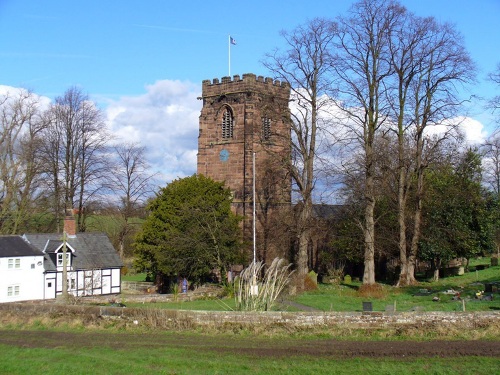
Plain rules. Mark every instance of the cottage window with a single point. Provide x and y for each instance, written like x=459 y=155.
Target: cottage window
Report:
x=13 y=290
x=266 y=128
x=14 y=263
x=227 y=124
x=60 y=259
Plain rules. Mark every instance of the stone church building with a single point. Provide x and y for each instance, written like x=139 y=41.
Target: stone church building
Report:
x=244 y=122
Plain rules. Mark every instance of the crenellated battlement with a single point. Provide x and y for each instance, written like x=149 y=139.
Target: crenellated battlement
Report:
x=248 y=82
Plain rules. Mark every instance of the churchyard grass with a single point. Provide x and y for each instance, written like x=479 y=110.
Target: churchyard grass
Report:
x=345 y=297
x=427 y=296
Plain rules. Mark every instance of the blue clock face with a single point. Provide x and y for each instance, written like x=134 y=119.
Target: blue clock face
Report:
x=224 y=155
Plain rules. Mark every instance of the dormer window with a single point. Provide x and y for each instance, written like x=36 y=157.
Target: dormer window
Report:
x=227 y=124
x=60 y=259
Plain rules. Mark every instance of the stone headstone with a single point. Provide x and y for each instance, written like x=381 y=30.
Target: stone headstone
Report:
x=314 y=277
x=367 y=306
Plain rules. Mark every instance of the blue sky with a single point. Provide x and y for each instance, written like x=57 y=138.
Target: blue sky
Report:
x=143 y=61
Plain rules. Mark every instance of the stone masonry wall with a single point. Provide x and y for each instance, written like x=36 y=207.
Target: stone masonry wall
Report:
x=470 y=320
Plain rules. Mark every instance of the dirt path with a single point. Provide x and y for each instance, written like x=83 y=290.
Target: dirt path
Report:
x=252 y=347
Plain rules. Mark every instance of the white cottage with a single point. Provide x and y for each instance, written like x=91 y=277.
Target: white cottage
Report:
x=92 y=264
x=31 y=266
x=21 y=270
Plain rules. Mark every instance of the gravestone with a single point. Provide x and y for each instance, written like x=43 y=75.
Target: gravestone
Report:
x=314 y=277
x=367 y=306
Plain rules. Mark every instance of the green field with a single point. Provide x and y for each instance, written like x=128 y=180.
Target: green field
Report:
x=173 y=353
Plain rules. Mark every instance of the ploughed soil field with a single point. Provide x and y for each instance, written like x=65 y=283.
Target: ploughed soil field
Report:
x=261 y=347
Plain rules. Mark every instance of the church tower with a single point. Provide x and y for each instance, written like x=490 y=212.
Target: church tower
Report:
x=243 y=118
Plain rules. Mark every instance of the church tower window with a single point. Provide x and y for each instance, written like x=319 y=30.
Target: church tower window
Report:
x=266 y=128
x=227 y=124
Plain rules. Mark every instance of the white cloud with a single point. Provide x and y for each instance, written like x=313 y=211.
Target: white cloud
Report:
x=43 y=101
x=474 y=130
x=165 y=121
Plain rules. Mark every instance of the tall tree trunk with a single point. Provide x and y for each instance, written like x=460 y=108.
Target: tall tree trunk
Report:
x=369 y=234
x=417 y=217
x=369 y=225
x=304 y=237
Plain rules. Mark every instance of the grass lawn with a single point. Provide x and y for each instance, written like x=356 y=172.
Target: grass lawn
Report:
x=138 y=277
x=15 y=360
x=171 y=353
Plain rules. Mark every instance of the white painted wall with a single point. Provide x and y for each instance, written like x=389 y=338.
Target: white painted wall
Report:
x=25 y=282
x=91 y=282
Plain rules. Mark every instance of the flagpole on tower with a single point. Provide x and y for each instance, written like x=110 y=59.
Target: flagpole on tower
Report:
x=229 y=42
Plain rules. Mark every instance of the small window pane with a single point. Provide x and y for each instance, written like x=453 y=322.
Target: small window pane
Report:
x=60 y=259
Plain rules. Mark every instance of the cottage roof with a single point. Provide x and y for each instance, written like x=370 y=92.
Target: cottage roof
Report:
x=15 y=246
x=91 y=250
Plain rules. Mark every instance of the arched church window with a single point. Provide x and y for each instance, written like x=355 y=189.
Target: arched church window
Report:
x=227 y=124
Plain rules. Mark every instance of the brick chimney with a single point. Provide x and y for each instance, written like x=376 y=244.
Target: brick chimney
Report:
x=69 y=223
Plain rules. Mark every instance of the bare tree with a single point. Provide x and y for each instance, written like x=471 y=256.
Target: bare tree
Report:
x=407 y=45
x=444 y=65
x=19 y=134
x=362 y=64
x=132 y=181
x=74 y=152
x=305 y=67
